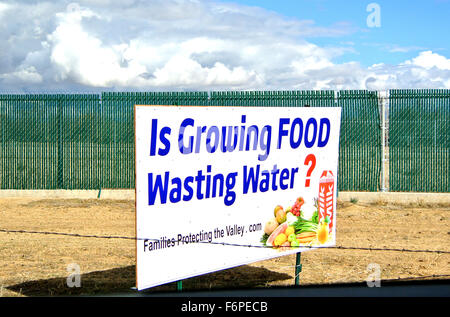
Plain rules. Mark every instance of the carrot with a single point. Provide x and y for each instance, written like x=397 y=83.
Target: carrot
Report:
x=306 y=235
x=306 y=240
x=301 y=236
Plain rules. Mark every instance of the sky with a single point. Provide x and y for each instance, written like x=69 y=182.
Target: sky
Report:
x=210 y=45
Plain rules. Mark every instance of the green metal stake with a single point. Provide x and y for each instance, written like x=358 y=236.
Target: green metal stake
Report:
x=99 y=192
x=298 y=268
x=179 y=286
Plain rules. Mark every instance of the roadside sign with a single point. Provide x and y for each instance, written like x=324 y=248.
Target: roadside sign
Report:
x=219 y=187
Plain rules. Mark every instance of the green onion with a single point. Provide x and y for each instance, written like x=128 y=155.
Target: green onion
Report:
x=303 y=225
x=264 y=238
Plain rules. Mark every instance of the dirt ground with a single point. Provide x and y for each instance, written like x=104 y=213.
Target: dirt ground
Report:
x=36 y=264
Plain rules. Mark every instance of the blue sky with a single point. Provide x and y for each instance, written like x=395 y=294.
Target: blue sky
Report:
x=186 y=45
x=407 y=26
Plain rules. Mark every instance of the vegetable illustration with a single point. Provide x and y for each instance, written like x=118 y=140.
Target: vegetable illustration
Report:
x=280 y=239
x=292 y=237
x=306 y=237
x=278 y=207
x=303 y=225
x=315 y=217
x=289 y=229
x=280 y=229
x=297 y=205
x=290 y=218
x=280 y=215
x=270 y=226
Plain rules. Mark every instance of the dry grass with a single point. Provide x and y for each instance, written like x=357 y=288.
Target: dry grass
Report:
x=36 y=264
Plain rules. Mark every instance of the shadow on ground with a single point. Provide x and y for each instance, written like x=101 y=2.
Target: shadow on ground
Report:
x=121 y=280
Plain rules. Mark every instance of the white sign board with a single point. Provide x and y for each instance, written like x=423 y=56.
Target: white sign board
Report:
x=219 y=187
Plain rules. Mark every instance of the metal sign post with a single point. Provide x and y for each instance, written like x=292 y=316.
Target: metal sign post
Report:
x=298 y=268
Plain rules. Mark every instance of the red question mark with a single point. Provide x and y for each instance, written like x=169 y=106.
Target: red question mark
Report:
x=309 y=159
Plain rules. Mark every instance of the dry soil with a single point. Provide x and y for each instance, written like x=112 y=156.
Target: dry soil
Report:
x=36 y=264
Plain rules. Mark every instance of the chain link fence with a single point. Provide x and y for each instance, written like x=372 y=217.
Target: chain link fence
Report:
x=86 y=141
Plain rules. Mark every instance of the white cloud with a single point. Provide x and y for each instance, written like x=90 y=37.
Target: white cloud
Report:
x=403 y=49
x=186 y=44
x=22 y=75
x=83 y=57
x=428 y=60
x=4 y=8
x=183 y=71
x=427 y=70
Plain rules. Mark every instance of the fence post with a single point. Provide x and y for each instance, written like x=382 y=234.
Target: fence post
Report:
x=383 y=100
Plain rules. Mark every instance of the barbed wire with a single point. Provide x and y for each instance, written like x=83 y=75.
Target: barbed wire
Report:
x=78 y=235
x=396 y=279
x=297 y=274
x=410 y=278
x=389 y=280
